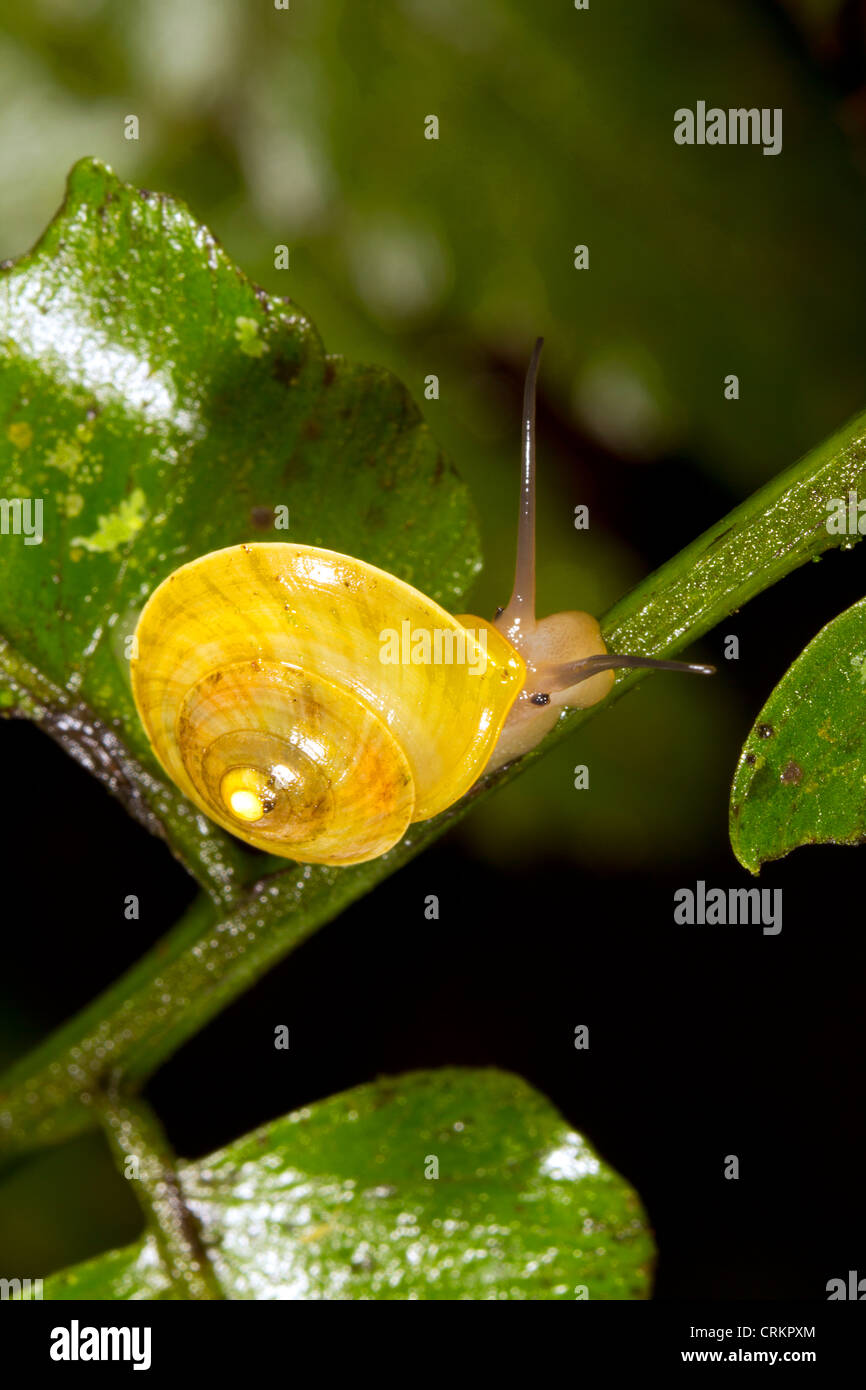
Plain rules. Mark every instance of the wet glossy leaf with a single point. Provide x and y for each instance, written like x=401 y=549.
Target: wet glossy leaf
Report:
x=155 y=404
x=801 y=778
x=338 y=1201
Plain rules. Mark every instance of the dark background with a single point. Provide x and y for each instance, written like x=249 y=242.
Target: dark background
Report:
x=556 y=906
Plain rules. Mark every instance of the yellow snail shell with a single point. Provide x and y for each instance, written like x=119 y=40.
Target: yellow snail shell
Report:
x=259 y=680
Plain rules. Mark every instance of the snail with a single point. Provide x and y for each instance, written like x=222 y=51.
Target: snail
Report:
x=294 y=694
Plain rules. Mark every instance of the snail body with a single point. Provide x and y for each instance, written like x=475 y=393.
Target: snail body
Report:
x=274 y=694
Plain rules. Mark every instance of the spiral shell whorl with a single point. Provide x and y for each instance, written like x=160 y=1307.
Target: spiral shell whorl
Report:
x=294 y=763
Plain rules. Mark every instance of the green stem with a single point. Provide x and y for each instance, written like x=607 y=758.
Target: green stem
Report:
x=204 y=964
x=145 y=1158
x=214 y=859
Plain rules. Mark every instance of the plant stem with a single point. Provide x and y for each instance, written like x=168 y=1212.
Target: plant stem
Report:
x=213 y=858
x=145 y=1158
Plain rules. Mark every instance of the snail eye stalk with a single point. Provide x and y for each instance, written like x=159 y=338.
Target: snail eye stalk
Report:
x=573 y=672
x=517 y=618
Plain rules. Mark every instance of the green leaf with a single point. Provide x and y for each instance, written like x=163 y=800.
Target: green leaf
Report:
x=159 y=405
x=333 y=1202
x=801 y=777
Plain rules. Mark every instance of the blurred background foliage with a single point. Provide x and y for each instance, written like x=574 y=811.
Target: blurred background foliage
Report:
x=306 y=128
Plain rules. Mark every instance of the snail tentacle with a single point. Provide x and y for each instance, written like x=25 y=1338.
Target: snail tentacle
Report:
x=574 y=672
x=517 y=618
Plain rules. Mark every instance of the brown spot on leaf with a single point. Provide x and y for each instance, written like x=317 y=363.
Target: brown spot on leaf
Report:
x=792 y=772
x=293 y=468
x=765 y=731
x=284 y=371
